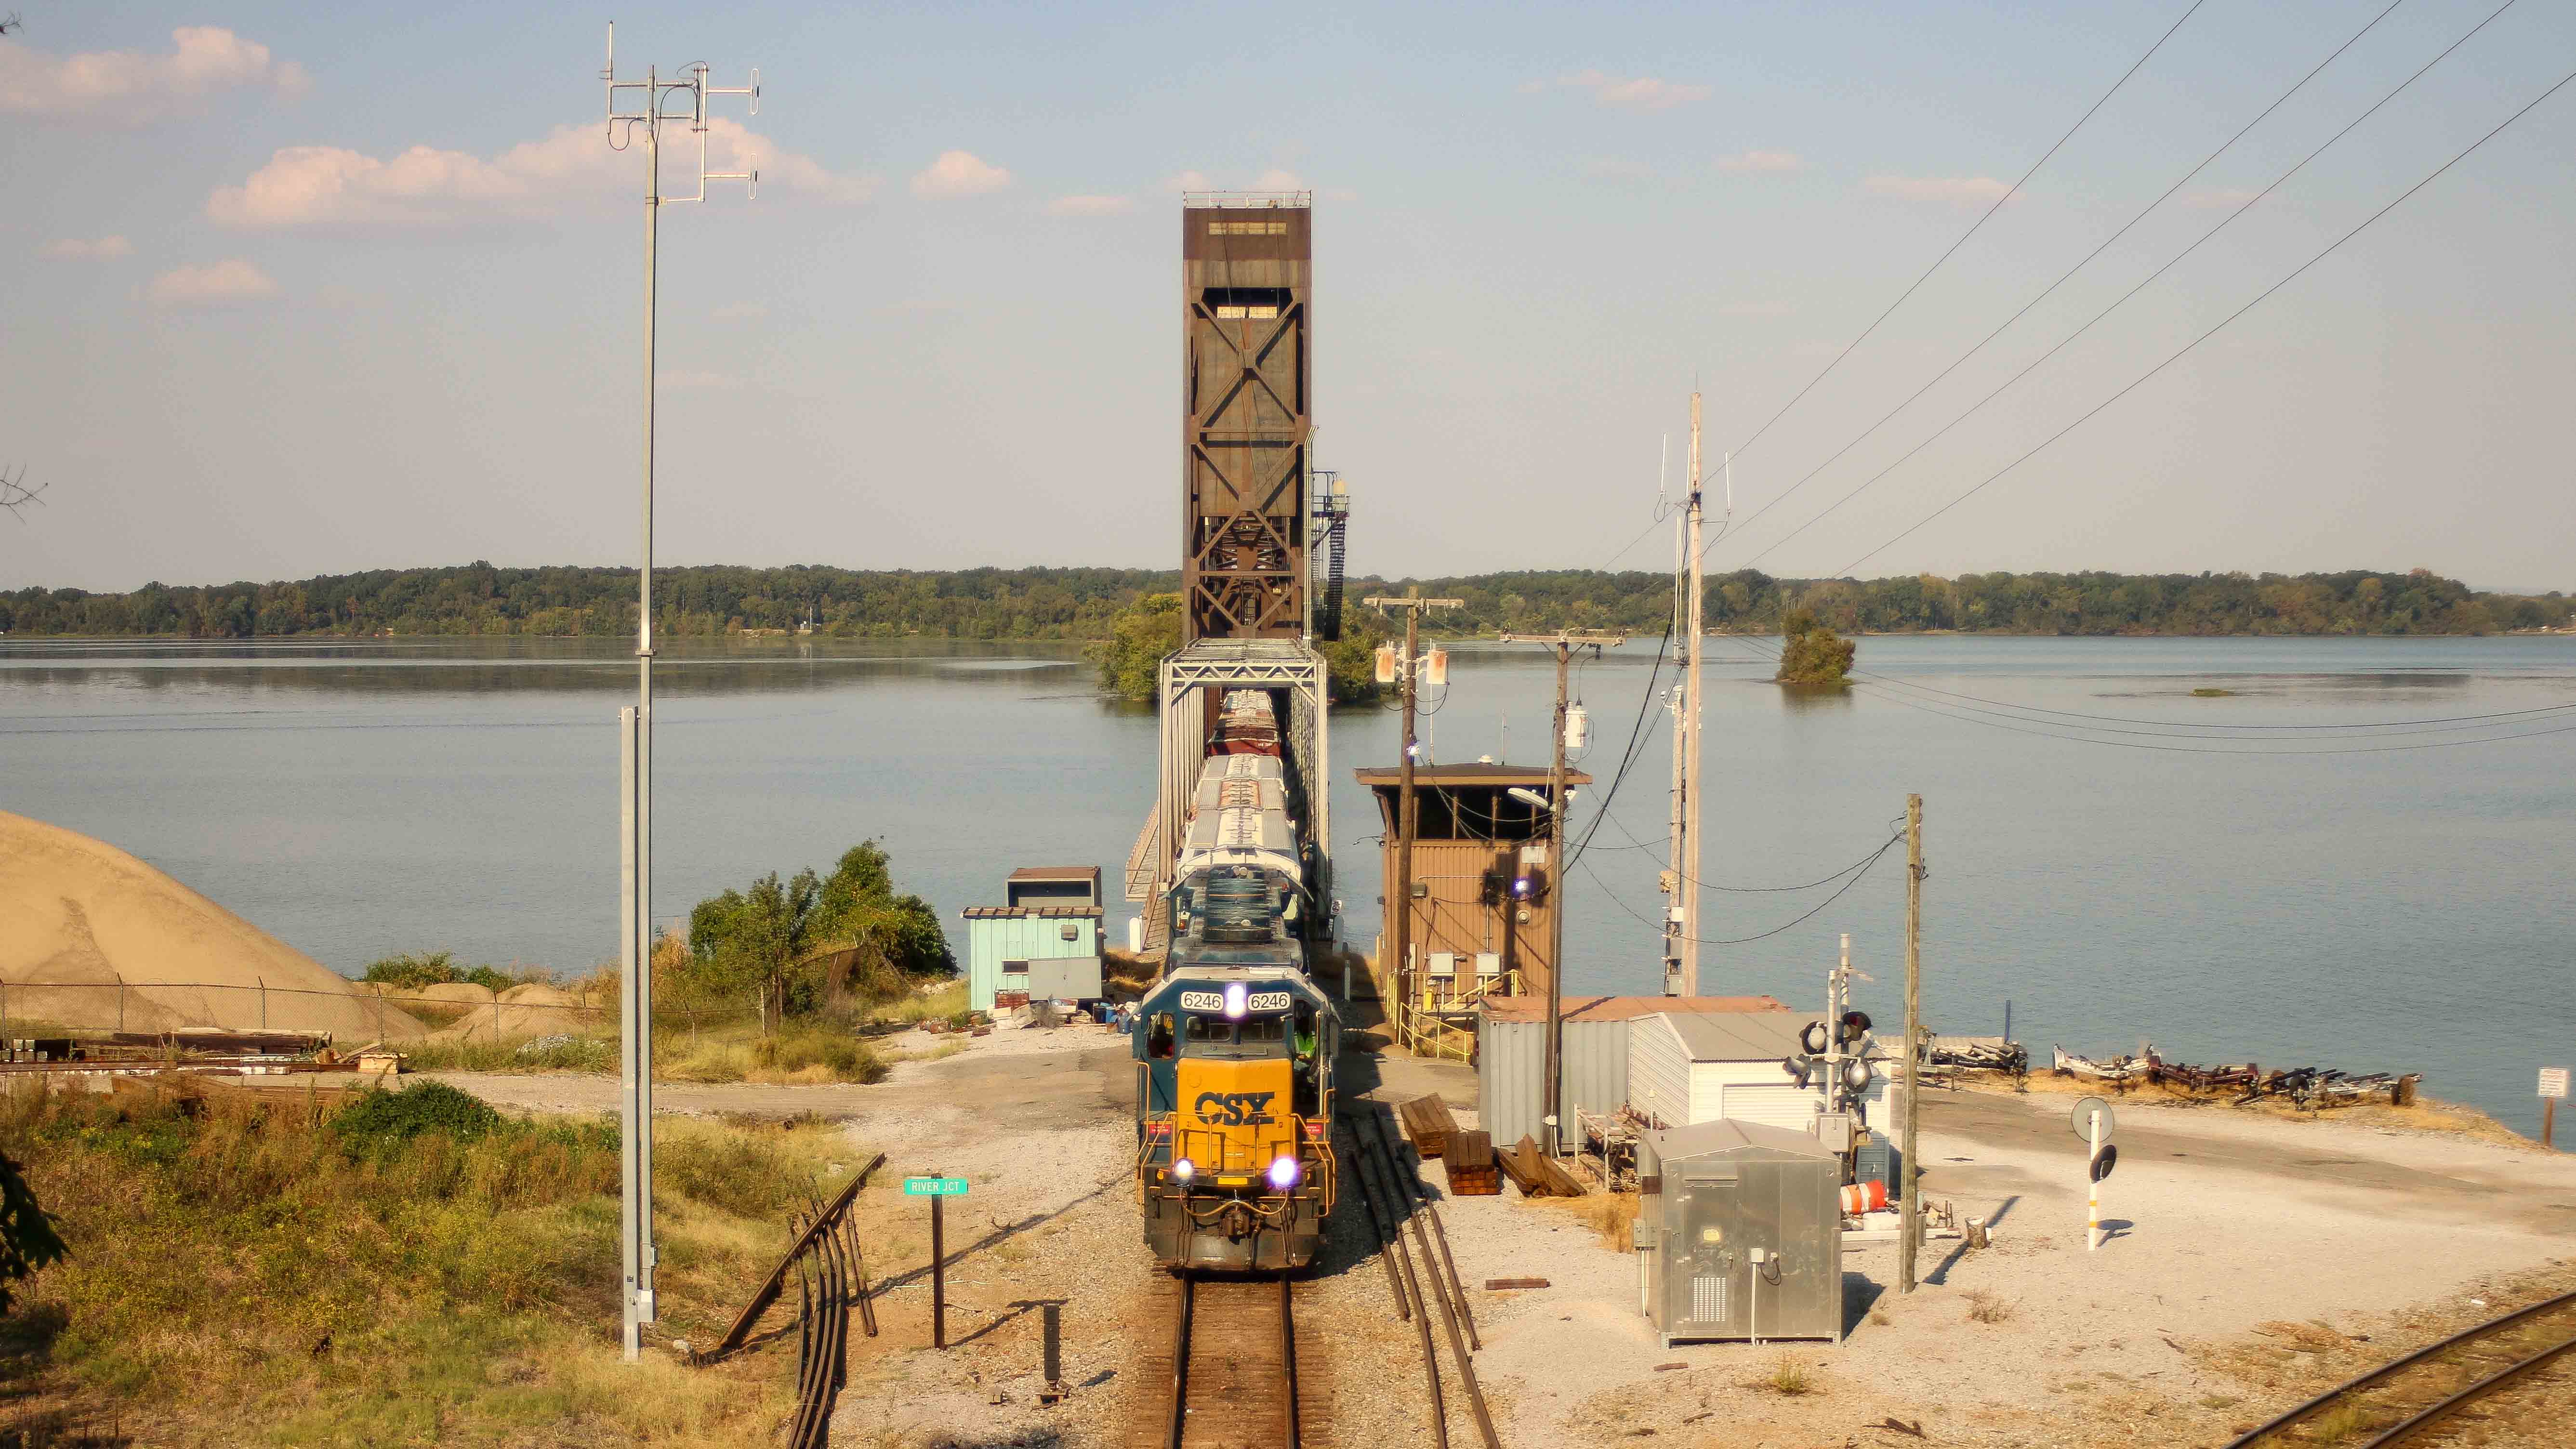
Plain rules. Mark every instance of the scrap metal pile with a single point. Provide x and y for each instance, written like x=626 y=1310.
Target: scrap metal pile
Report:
x=2306 y=1087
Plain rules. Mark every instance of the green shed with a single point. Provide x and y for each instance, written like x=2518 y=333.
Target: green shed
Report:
x=1001 y=941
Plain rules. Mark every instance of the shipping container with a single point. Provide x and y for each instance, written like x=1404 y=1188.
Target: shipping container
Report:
x=1691 y=1067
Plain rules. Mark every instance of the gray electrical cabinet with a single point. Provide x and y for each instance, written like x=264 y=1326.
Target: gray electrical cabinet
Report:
x=1717 y=1197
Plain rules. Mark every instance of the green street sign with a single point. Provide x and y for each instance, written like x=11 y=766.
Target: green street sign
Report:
x=934 y=1187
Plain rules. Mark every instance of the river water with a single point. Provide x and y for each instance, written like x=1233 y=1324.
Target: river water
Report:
x=2317 y=875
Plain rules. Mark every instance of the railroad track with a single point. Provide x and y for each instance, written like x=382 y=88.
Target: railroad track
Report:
x=1234 y=1367
x=2431 y=1392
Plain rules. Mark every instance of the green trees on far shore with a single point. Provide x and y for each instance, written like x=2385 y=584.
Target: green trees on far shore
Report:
x=1086 y=604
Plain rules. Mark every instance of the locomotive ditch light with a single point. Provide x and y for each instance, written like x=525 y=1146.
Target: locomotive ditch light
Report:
x=1183 y=1169
x=1283 y=1173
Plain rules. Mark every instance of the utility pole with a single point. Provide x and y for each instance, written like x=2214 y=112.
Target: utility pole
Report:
x=1407 y=818
x=635 y=724
x=1681 y=921
x=1565 y=642
x=1911 y=1208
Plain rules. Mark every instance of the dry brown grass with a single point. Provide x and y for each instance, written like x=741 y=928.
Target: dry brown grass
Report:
x=1788 y=1378
x=1985 y=1307
x=1613 y=1215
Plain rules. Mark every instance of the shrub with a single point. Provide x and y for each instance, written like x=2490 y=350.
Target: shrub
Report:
x=1986 y=1307
x=413 y=970
x=1788 y=1378
x=382 y=1117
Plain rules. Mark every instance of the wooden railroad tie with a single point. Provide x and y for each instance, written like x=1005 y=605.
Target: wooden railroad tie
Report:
x=1469 y=1159
x=1428 y=1123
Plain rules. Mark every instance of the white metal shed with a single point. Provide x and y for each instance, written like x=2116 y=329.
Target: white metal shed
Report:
x=1685 y=1068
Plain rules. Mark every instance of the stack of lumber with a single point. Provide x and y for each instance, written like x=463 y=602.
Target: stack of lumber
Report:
x=1428 y=1123
x=1536 y=1174
x=1469 y=1158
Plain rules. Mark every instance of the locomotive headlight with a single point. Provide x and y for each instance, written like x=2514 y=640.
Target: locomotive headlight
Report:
x=1283 y=1173
x=1183 y=1169
x=1238 y=1000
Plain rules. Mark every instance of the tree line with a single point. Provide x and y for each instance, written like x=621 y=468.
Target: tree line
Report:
x=1086 y=603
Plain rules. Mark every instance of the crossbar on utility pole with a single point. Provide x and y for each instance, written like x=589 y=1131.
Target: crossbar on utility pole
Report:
x=1565 y=642
x=635 y=928
x=1407 y=818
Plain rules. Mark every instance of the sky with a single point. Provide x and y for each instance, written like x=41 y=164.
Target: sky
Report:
x=305 y=289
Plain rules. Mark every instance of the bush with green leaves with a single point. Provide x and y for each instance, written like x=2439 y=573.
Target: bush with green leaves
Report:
x=414 y=970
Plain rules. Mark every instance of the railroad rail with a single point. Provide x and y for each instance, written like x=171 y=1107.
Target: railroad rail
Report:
x=1234 y=1366
x=2415 y=1395
x=1396 y=1201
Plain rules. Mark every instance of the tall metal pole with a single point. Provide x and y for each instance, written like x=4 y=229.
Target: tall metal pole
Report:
x=1677 y=823
x=635 y=851
x=1556 y=914
x=1911 y=1207
x=1686 y=865
x=1407 y=825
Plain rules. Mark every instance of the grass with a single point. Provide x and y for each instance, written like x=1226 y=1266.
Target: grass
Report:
x=1789 y=1378
x=1613 y=1215
x=939 y=1053
x=413 y=1268
x=919 y=1006
x=1984 y=1307
x=2208 y=693
x=807 y=1052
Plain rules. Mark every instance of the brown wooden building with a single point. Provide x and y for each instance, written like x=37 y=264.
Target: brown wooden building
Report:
x=1484 y=886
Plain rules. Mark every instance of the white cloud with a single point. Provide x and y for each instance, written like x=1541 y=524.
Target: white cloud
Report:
x=1279 y=179
x=72 y=248
x=1757 y=309
x=740 y=312
x=1188 y=181
x=1090 y=205
x=1949 y=190
x=2224 y=199
x=715 y=381
x=1762 y=161
x=221 y=284
x=424 y=186
x=1626 y=93
x=959 y=173
x=131 y=88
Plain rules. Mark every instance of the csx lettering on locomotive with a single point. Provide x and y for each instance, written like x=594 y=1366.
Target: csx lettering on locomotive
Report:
x=1234 y=1109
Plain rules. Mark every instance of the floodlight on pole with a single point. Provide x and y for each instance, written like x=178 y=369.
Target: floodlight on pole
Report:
x=679 y=100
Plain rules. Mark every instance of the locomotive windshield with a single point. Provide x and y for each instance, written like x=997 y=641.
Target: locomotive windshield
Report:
x=1253 y=1037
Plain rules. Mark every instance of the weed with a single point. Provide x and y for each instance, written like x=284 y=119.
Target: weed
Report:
x=1984 y=1307
x=1789 y=1378
x=408 y=1269
x=1611 y=1214
x=2339 y=1423
x=1879 y=1319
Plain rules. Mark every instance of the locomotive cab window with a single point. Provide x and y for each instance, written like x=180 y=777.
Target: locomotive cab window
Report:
x=1215 y=1036
x=1158 y=1038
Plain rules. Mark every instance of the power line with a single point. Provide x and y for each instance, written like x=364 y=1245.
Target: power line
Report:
x=1972 y=230
x=2051 y=289
x=2231 y=317
x=1892 y=842
x=2143 y=283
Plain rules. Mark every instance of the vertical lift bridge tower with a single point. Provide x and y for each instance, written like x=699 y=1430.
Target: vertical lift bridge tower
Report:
x=1261 y=530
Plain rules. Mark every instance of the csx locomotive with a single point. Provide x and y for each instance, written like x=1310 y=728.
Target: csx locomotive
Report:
x=1234 y=1044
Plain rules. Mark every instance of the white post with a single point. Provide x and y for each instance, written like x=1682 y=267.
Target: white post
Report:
x=2092 y=1183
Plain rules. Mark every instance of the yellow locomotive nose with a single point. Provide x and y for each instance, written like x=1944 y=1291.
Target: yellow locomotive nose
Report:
x=1235 y=1118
